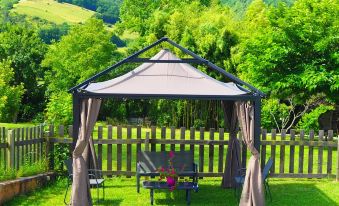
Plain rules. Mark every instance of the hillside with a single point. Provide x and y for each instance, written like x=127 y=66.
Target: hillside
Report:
x=53 y=11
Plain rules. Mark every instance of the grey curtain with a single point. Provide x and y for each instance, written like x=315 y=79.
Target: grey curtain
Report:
x=253 y=191
x=81 y=195
x=232 y=161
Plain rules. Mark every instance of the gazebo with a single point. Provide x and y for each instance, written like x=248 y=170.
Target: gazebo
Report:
x=165 y=76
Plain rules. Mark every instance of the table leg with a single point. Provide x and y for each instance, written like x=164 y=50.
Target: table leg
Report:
x=151 y=194
x=188 y=196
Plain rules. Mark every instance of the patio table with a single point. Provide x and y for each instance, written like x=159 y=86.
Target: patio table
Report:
x=188 y=186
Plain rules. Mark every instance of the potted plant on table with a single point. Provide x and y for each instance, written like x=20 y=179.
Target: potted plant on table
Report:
x=169 y=173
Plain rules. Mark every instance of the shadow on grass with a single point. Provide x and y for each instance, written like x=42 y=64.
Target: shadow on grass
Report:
x=108 y=202
x=212 y=195
x=306 y=193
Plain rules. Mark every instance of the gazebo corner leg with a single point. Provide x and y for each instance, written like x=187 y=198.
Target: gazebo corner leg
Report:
x=152 y=196
x=188 y=196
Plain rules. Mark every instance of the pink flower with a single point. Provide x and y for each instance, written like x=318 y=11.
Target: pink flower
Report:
x=173 y=171
x=171 y=154
x=162 y=169
x=170 y=181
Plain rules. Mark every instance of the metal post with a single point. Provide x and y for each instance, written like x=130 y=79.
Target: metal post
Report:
x=76 y=118
x=337 y=178
x=257 y=120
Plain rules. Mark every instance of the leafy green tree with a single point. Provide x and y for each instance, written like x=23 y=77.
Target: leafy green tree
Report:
x=310 y=120
x=86 y=50
x=297 y=53
x=10 y=96
x=23 y=48
x=53 y=32
x=134 y=14
x=109 y=10
x=291 y=54
x=59 y=108
x=88 y=4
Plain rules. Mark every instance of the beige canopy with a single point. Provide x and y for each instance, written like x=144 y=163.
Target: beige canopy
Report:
x=166 y=79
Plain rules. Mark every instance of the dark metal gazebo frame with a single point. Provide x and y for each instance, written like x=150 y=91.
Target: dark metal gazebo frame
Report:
x=255 y=95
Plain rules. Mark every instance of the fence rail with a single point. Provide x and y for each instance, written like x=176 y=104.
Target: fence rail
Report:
x=297 y=155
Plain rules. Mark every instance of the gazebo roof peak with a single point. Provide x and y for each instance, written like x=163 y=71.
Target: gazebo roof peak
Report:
x=174 y=60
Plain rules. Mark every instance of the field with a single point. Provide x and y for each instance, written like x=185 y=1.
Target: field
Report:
x=53 y=11
x=122 y=191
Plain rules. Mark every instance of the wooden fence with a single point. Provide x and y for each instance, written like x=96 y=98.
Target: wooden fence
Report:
x=295 y=154
x=21 y=146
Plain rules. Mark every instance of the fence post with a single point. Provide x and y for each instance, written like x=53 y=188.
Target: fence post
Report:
x=337 y=179
x=10 y=149
x=50 y=148
x=147 y=142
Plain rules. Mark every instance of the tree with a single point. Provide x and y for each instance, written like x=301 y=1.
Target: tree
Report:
x=52 y=32
x=86 y=50
x=296 y=54
x=109 y=10
x=291 y=53
x=22 y=47
x=10 y=96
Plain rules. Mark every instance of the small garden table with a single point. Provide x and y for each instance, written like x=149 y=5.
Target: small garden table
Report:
x=188 y=186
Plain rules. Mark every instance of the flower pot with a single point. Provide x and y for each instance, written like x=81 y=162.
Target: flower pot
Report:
x=170 y=181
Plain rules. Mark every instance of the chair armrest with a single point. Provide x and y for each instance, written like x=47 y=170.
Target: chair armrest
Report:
x=97 y=173
x=92 y=175
x=93 y=178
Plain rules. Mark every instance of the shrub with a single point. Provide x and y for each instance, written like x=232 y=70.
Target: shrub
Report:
x=310 y=120
x=61 y=153
x=59 y=109
x=29 y=169
x=198 y=123
x=7 y=174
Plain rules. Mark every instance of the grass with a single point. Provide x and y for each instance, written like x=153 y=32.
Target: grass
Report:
x=122 y=191
x=28 y=169
x=17 y=125
x=53 y=11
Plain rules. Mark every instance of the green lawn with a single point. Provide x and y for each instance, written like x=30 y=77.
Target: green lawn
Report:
x=53 y=11
x=122 y=191
x=17 y=125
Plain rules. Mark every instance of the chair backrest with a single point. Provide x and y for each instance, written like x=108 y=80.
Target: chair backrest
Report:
x=69 y=166
x=151 y=161
x=267 y=168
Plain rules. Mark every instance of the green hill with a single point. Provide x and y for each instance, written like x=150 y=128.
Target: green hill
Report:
x=53 y=11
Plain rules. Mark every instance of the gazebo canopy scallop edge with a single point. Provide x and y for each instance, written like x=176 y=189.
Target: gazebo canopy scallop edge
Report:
x=164 y=76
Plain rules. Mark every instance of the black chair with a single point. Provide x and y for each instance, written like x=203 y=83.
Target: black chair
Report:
x=96 y=179
x=265 y=174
